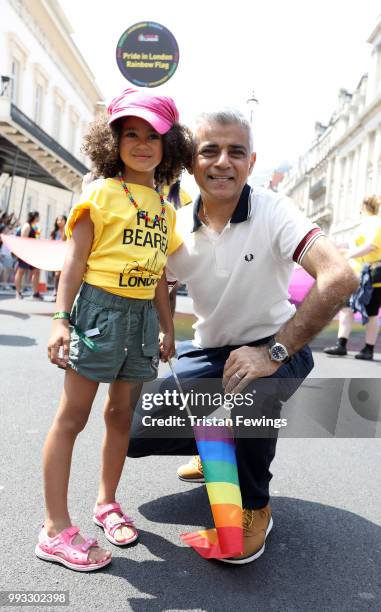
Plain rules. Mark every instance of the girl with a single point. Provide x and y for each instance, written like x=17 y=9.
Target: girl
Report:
x=120 y=234
x=30 y=229
x=58 y=233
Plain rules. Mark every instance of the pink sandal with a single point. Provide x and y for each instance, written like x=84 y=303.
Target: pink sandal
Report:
x=74 y=556
x=110 y=525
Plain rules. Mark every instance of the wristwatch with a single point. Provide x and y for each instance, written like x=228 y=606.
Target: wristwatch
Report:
x=278 y=351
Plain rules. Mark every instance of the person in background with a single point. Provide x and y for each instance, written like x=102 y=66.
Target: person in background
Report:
x=30 y=229
x=8 y=222
x=177 y=196
x=58 y=233
x=366 y=250
x=7 y=225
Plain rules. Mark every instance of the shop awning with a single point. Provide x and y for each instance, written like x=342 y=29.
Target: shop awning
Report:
x=28 y=151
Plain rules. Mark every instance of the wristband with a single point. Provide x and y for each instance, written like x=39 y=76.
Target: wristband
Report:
x=61 y=315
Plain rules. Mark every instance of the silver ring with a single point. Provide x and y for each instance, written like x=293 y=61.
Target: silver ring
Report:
x=238 y=376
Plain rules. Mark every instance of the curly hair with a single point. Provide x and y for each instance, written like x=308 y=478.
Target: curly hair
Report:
x=101 y=145
x=372 y=204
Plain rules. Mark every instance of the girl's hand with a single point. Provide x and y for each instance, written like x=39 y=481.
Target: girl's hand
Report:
x=167 y=346
x=60 y=336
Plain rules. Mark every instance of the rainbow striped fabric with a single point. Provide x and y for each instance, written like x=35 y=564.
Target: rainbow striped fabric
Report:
x=216 y=448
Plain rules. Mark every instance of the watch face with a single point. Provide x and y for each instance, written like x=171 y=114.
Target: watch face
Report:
x=278 y=352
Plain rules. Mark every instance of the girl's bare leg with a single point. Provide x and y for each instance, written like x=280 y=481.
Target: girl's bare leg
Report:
x=118 y=413
x=18 y=279
x=74 y=409
x=345 y=323
x=35 y=279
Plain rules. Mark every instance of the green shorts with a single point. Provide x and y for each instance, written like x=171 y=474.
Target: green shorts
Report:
x=123 y=334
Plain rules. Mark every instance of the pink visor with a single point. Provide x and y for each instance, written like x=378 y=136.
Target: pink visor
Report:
x=159 y=111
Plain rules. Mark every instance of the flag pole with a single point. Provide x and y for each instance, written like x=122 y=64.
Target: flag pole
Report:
x=179 y=387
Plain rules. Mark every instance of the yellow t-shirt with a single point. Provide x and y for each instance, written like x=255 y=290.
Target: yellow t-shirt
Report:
x=128 y=253
x=369 y=232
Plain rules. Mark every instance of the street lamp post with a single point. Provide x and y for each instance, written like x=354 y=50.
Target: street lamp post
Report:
x=252 y=100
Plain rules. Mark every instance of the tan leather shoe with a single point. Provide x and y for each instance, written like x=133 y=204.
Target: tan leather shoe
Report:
x=257 y=525
x=192 y=471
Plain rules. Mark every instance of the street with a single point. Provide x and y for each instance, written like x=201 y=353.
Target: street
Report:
x=323 y=554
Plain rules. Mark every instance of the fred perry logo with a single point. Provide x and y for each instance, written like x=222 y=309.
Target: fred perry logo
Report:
x=249 y=257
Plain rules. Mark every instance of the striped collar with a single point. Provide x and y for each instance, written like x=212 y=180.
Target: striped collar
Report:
x=241 y=212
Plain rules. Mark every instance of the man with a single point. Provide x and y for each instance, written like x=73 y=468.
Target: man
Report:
x=240 y=245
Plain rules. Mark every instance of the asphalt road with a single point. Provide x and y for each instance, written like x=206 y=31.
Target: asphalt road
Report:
x=323 y=554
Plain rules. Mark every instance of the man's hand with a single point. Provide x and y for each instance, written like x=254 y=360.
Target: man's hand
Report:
x=60 y=336
x=167 y=346
x=246 y=364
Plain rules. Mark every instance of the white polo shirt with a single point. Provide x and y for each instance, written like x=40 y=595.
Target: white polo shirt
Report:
x=239 y=278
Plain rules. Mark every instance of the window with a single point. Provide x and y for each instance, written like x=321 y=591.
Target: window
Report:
x=15 y=83
x=377 y=79
x=29 y=203
x=41 y=81
x=57 y=121
x=31 y=200
x=341 y=207
x=371 y=141
x=4 y=197
x=17 y=58
x=72 y=134
x=84 y=128
x=38 y=103
x=73 y=129
x=369 y=178
x=58 y=113
x=370 y=163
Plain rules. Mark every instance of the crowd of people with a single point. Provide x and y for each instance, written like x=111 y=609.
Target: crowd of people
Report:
x=15 y=273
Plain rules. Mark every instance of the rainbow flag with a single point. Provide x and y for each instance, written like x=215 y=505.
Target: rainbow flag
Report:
x=216 y=448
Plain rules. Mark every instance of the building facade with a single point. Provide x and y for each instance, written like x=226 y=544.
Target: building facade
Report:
x=47 y=98
x=343 y=164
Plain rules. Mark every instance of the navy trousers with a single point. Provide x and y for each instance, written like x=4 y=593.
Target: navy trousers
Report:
x=254 y=454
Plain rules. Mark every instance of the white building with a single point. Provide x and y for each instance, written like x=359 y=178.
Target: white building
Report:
x=47 y=98
x=343 y=164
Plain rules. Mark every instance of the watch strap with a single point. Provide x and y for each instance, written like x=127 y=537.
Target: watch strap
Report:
x=272 y=342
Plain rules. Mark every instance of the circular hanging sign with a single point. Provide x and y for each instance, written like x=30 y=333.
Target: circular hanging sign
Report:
x=147 y=54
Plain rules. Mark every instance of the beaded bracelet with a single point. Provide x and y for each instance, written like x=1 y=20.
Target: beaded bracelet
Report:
x=61 y=315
